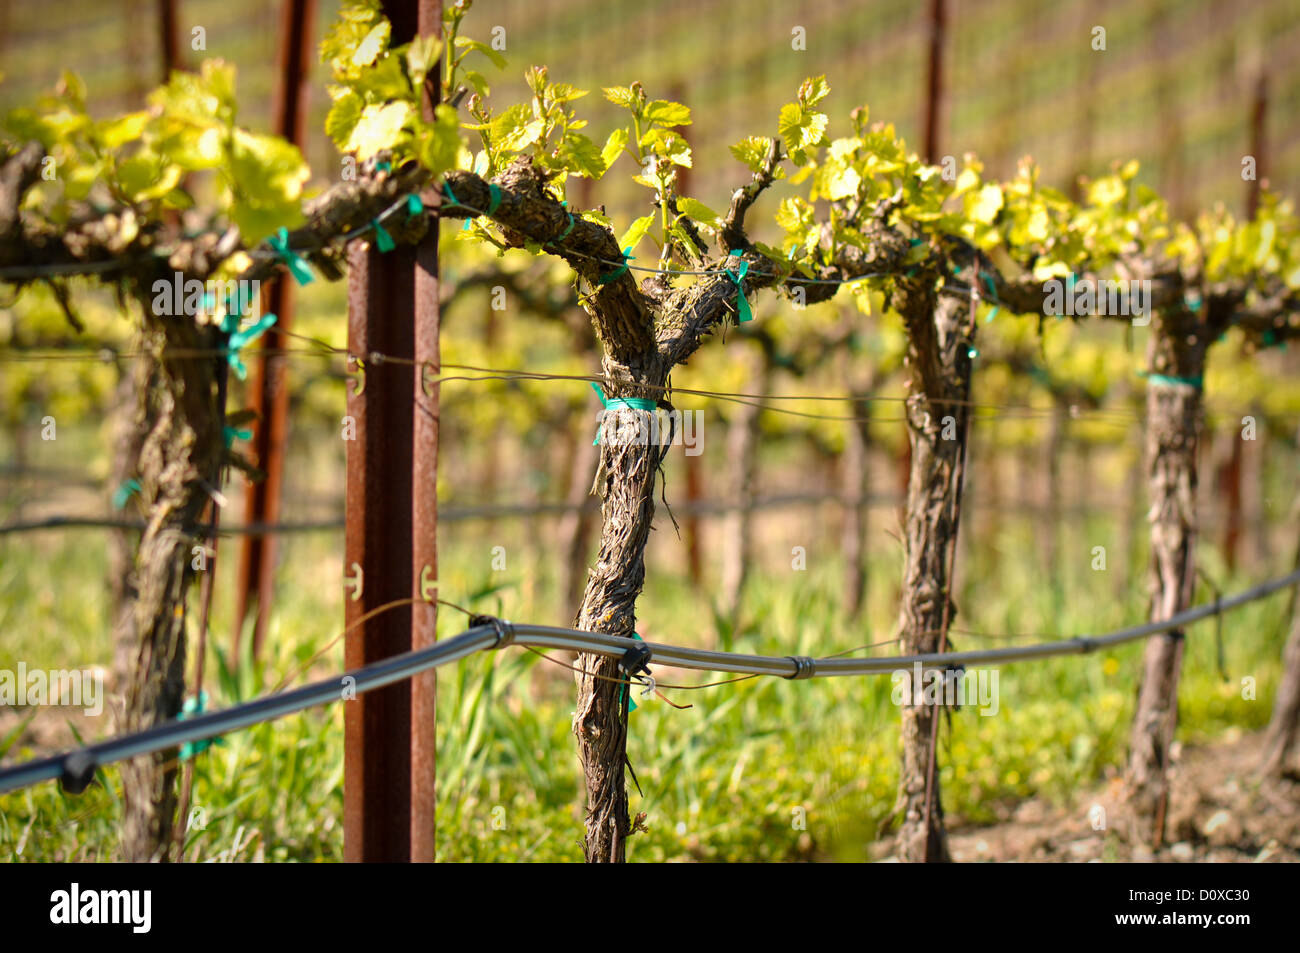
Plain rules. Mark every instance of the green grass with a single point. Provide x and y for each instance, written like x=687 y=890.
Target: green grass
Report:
x=722 y=780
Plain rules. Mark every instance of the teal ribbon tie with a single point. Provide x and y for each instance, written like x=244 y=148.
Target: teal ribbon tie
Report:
x=240 y=338
x=191 y=708
x=619 y=271
x=565 y=233
x=414 y=205
x=124 y=493
x=297 y=267
x=993 y=296
x=383 y=240
x=231 y=434
x=1169 y=380
x=743 y=313
x=621 y=403
x=988 y=280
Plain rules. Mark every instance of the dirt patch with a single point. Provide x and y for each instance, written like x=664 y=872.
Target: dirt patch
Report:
x=1220 y=811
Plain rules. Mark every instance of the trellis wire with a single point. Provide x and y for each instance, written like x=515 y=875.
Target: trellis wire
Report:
x=377 y=358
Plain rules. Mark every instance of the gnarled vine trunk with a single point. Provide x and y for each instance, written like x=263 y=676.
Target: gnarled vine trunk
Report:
x=131 y=424
x=1279 y=740
x=1176 y=357
x=940 y=336
x=181 y=452
x=625 y=483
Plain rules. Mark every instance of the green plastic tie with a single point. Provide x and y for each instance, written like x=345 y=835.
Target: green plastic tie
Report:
x=414 y=206
x=239 y=339
x=124 y=493
x=383 y=240
x=617 y=272
x=988 y=280
x=565 y=233
x=451 y=196
x=621 y=403
x=993 y=313
x=191 y=708
x=231 y=434
x=743 y=313
x=384 y=166
x=297 y=267
x=1169 y=380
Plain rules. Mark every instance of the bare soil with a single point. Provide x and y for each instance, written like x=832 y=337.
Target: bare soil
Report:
x=1220 y=811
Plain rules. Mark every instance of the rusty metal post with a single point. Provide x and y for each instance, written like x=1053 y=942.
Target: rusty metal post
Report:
x=169 y=39
x=424 y=502
x=694 y=464
x=937 y=27
x=391 y=530
x=270 y=390
x=1258 y=125
x=1229 y=476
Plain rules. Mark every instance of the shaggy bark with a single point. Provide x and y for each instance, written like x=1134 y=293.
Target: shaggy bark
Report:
x=1282 y=728
x=1177 y=350
x=130 y=428
x=1280 y=738
x=940 y=336
x=182 y=451
x=625 y=483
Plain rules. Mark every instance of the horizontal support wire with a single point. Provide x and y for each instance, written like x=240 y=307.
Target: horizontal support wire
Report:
x=987 y=412
x=457 y=514
x=492 y=635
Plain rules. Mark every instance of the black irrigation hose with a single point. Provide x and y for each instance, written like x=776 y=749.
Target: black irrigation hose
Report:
x=76 y=768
